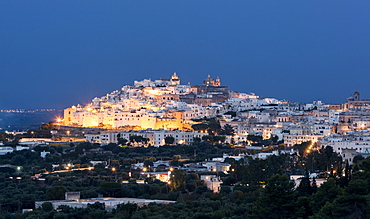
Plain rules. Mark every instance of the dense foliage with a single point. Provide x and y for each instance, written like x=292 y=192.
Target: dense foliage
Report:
x=254 y=188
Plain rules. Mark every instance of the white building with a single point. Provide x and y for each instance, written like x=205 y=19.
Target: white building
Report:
x=291 y=140
x=215 y=166
x=156 y=137
x=356 y=142
x=5 y=150
x=213 y=182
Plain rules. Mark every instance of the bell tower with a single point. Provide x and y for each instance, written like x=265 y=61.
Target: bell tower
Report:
x=175 y=79
x=356 y=96
x=218 y=82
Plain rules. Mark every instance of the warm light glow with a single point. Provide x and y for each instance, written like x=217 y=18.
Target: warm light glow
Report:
x=144 y=169
x=68 y=132
x=214 y=169
x=171 y=168
x=113 y=169
x=310 y=148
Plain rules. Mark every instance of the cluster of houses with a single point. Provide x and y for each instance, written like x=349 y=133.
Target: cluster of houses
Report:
x=160 y=104
x=154 y=137
x=159 y=109
x=165 y=108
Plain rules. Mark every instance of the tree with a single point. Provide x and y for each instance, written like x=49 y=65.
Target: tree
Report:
x=126 y=210
x=136 y=138
x=169 y=140
x=178 y=180
x=208 y=138
x=56 y=193
x=148 y=163
x=274 y=139
x=229 y=181
x=122 y=141
x=327 y=192
x=146 y=140
x=47 y=126
x=196 y=139
x=213 y=126
x=96 y=205
x=47 y=206
x=5 y=137
x=219 y=138
x=110 y=188
x=352 y=204
x=255 y=138
x=302 y=147
x=305 y=188
x=227 y=130
x=19 y=160
x=278 y=199
x=175 y=160
x=200 y=127
x=232 y=113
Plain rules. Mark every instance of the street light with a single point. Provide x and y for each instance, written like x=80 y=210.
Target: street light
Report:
x=167 y=185
x=114 y=171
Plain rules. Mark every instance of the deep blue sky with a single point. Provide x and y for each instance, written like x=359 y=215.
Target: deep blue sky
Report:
x=54 y=54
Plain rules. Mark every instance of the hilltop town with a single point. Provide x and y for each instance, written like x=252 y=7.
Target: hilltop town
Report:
x=160 y=104
x=159 y=142
x=164 y=107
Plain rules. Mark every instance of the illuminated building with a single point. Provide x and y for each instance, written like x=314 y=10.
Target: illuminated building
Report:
x=145 y=105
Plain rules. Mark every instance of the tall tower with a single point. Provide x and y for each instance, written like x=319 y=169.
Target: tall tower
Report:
x=175 y=79
x=356 y=96
x=209 y=81
x=218 y=82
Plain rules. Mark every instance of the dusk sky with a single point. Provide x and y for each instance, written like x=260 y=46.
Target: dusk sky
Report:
x=54 y=54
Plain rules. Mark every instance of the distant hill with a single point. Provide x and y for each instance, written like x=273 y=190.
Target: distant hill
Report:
x=26 y=119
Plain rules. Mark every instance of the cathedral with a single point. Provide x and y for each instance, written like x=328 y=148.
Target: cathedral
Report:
x=174 y=80
x=211 y=82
